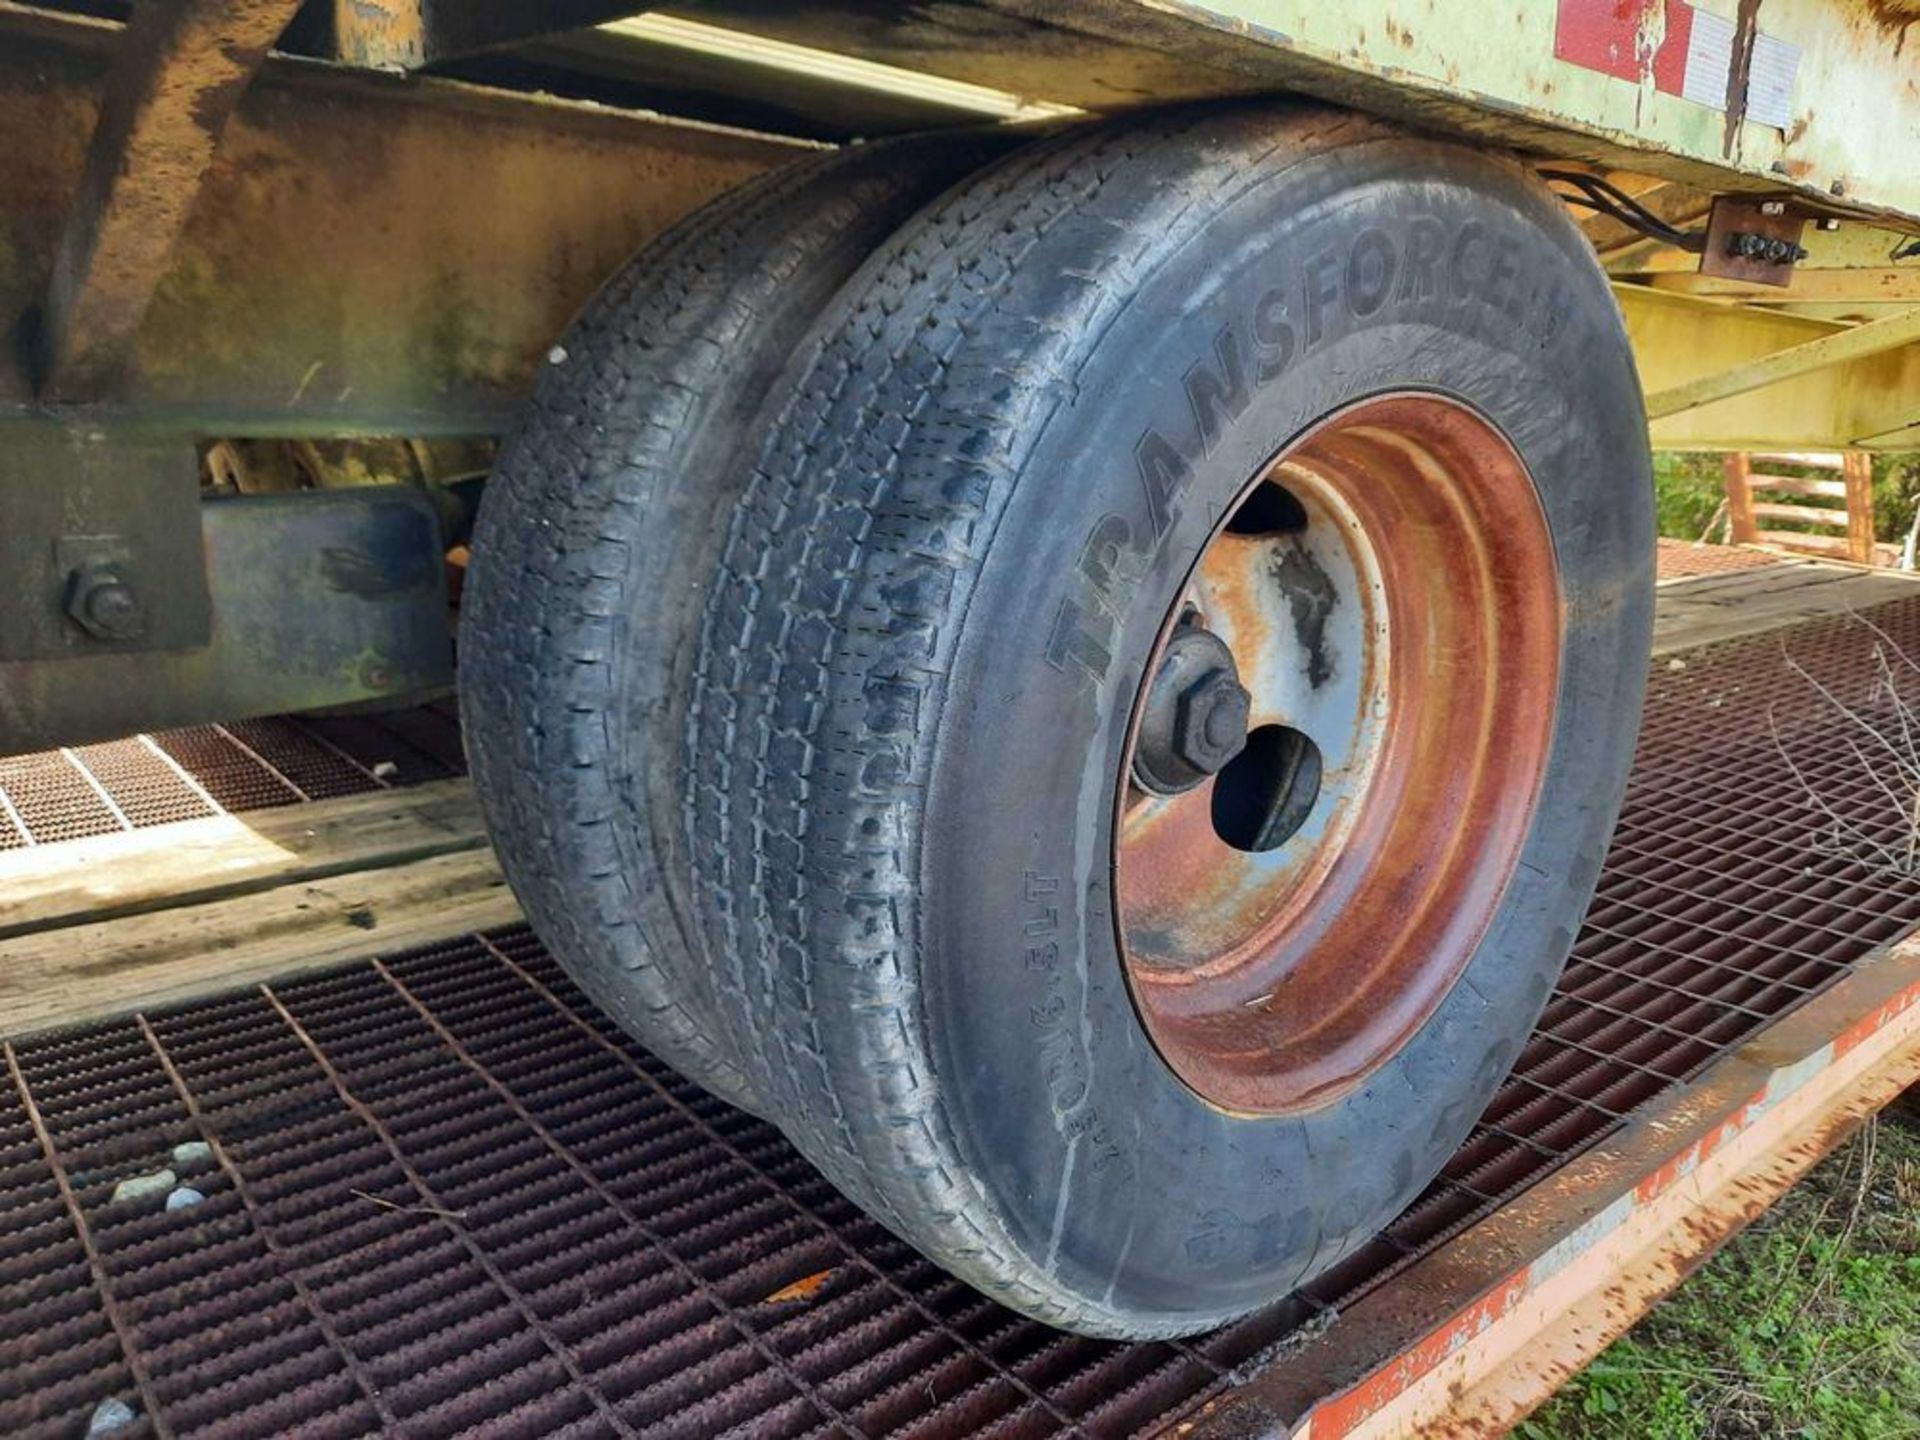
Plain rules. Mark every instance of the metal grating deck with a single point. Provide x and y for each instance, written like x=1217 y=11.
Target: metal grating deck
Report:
x=1684 y=559
x=203 y=770
x=444 y=1195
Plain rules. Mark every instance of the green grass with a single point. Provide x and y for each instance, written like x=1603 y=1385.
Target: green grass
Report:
x=1806 y=1325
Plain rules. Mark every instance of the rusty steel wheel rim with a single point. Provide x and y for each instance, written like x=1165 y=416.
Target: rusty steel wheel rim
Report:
x=1308 y=850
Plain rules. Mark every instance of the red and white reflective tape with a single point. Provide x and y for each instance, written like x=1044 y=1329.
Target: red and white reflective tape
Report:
x=1682 y=49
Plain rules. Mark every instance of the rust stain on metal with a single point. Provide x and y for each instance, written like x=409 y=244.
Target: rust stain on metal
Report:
x=330 y=279
x=1746 y=29
x=1273 y=980
x=380 y=33
x=1895 y=17
x=180 y=68
x=1780 y=219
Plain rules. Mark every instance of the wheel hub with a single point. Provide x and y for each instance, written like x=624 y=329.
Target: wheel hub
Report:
x=1335 y=759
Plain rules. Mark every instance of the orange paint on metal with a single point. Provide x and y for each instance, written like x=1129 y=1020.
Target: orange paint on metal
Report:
x=1619 y=1272
x=1343 y=1414
x=1676 y=1169
x=1868 y=1025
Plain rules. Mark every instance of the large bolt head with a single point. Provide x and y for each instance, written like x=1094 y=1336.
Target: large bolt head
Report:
x=1210 y=724
x=104 y=605
x=1195 y=716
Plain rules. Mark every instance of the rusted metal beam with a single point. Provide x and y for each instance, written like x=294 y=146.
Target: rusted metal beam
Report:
x=370 y=255
x=379 y=34
x=179 y=71
x=407 y=34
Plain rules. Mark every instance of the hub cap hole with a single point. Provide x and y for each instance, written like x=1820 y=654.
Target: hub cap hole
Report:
x=1271 y=509
x=1267 y=791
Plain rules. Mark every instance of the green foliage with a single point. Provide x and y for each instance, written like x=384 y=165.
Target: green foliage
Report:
x=1806 y=1325
x=1687 y=490
x=1896 y=491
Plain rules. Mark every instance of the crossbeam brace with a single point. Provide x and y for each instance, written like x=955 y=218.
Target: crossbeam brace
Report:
x=179 y=70
x=1872 y=338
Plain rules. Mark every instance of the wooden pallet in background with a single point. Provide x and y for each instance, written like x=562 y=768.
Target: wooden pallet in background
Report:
x=1846 y=476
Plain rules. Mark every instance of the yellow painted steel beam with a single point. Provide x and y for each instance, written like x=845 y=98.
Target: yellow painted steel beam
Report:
x=1851 y=247
x=1856 y=343
x=1887 y=285
x=1678 y=340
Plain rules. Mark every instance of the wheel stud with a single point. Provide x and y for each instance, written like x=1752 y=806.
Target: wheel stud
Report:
x=1195 y=719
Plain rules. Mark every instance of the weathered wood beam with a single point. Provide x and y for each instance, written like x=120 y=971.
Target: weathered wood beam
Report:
x=180 y=68
x=141 y=961
x=197 y=862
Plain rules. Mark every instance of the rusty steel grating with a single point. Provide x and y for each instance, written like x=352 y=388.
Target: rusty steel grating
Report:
x=202 y=770
x=443 y=1194
x=1686 y=559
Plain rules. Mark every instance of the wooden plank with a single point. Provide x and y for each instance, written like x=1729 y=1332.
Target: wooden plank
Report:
x=138 y=962
x=1834 y=545
x=1800 y=514
x=1789 y=572
x=1859 y=487
x=85 y=881
x=1738 y=482
x=1794 y=485
x=1784 y=569
x=1805 y=459
x=1683 y=619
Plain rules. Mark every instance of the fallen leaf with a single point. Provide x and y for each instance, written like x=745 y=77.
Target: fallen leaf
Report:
x=799 y=1290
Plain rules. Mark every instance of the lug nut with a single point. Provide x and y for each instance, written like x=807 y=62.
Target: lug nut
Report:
x=1195 y=717
x=1212 y=724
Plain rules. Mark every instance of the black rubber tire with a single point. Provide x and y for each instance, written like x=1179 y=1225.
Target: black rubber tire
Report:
x=599 y=530
x=911 y=707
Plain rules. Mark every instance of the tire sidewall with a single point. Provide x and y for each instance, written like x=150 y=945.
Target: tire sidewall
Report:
x=1084 y=1143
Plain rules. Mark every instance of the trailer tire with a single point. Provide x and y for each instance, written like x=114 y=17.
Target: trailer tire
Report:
x=599 y=530
x=1013 y=441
